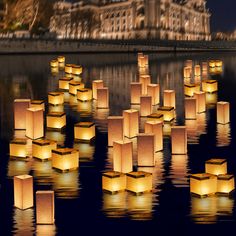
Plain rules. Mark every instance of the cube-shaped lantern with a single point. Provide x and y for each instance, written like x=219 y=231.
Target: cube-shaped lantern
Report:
x=84 y=94
x=146 y=149
x=54 y=63
x=23 y=192
x=187 y=72
x=56 y=120
x=97 y=84
x=209 y=86
x=65 y=159
x=135 y=92
x=115 y=129
x=167 y=112
x=20 y=106
x=123 y=156
x=197 y=70
x=74 y=86
x=103 y=98
x=153 y=90
x=216 y=166
x=155 y=117
x=223 y=112
x=84 y=131
x=218 y=63
x=45 y=207
x=212 y=64
x=200 y=101
x=139 y=182
x=156 y=128
x=178 y=140
x=143 y=61
x=61 y=59
x=190 y=89
x=225 y=184
x=188 y=63
x=203 y=184
x=55 y=98
x=190 y=108
x=18 y=148
x=42 y=149
x=34 y=123
x=68 y=68
x=113 y=181
x=131 y=123
x=77 y=69
x=169 y=98
x=144 y=80
x=145 y=105
x=64 y=83
x=40 y=104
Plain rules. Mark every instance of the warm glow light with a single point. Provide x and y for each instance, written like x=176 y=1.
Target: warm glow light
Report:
x=167 y=112
x=216 y=166
x=55 y=98
x=200 y=101
x=223 y=112
x=74 y=86
x=155 y=117
x=153 y=90
x=40 y=104
x=169 y=98
x=145 y=80
x=187 y=72
x=84 y=94
x=115 y=129
x=225 y=184
x=131 y=123
x=197 y=70
x=209 y=86
x=103 y=98
x=61 y=59
x=84 y=131
x=56 y=120
x=68 y=68
x=18 y=148
x=190 y=89
x=64 y=83
x=135 y=92
x=145 y=105
x=190 y=108
x=178 y=140
x=97 y=84
x=77 y=70
x=54 y=63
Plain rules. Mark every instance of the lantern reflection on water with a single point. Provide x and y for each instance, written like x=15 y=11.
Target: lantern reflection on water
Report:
x=216 y=166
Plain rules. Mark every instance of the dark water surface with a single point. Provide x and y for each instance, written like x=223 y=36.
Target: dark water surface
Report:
x=81 y=208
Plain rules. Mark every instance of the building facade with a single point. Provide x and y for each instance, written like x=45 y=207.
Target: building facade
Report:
x=133 y=19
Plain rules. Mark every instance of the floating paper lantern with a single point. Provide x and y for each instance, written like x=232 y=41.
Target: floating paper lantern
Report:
x=189 y=63
x=187 y=72
x=200 y=101
x=97 y=84
x=68 y=68
x=45 y=207
x=135 y=92
x=218 y=63
x=211 y=99
x=153 y=90
x=64 y=83
x=212 y=63
x=18 y=148
x=209 y=86
x=61 y=59
x=203 y=184
x=144 y=80
x=115 y=129
x=58 y=108
x=223 y=111
x=113 y=181
x=131 y=123
x=167 y=112
x=190 y=89
x=23 y=192
x=190 y=108
x=65 y=159
x=77 y=70
x=34 y=123
x=216 y=166
x=178 y=140
x=74 y=86
x=40 y=104
x=55 y=98
x=103 y=98
x=84 y=94
x=54 y=71
x=56 y=120
x=155 y=117
x=42 y=149
x=84 y=131
x=139 y=182
x=169 y=98
x=123 y=156
x=20 y=106
x=143 y=61
x=54 y=63
x=156 y=128
x=197 y=70
x=145 y=105
x=225 y=184
x=146 y=149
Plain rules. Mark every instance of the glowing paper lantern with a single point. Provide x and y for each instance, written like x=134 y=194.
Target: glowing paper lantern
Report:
x=64 y=83
x=42 y=149
x=145 y=105
x=40 y=104
x=189 y=63
x=216 y=166
x=200 y=101
x=146 y=149
x=65 y=159
x=56 y=120
x=197 y=70
x=143 y=61
x=139 y=182
x=54 y=63
x=103 y=98
x=169 y=98
x=223 y=111
x=209 y=86
x=203 y=184
x=20 y=106
x=190 y=108
x=77 y=70
x=84 y=94
x=144 y=80
x=84 y=131
x=74 y=86
x=155 y=117
x=190 y=89
x=156 y=128
x=225 y=184
x=61 y=59
x=45 y=207
x=218 y=63
x=212 y=63
x=97 y=84
x=204 y=66
x=56 y=98
x=178 y=140
x=153 y=90
x=123 y=156
x=187 y=72
x=34 y=123
x=58 y=108
x=68 y=68
x=131 y=123
x=113 y=181
x=115 y=129
x=23 y=191
x=18 y=148
x=167 y=112
x=135 y=92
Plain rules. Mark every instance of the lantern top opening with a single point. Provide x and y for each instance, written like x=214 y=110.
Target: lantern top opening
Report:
x=131 y=111
x=155 y=115
x=154 y=122
x=122 y=141
x=222 y=103
x=19 y=141
x=145 y=134
x=38 y=102
x=191 y=85
x=83 y=90
x=23 y=176
x=42 y=142
x=225 y=177
x=209 y=81
x=115 y=117
x=169 y=91
x=165 y=108
x=64 y=151
x=138 y=174
x=66 y=79
x=153 y=85
x=136 y=83
x=84 y=124
x=75 y=83
x=22 y=100
x=56 y=114
x=97 y=81
x=55 y=93
x=216 y=161
x=202 y=176
x=112 y=174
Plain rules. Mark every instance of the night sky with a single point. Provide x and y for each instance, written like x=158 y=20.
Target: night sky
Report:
x=223 y=14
